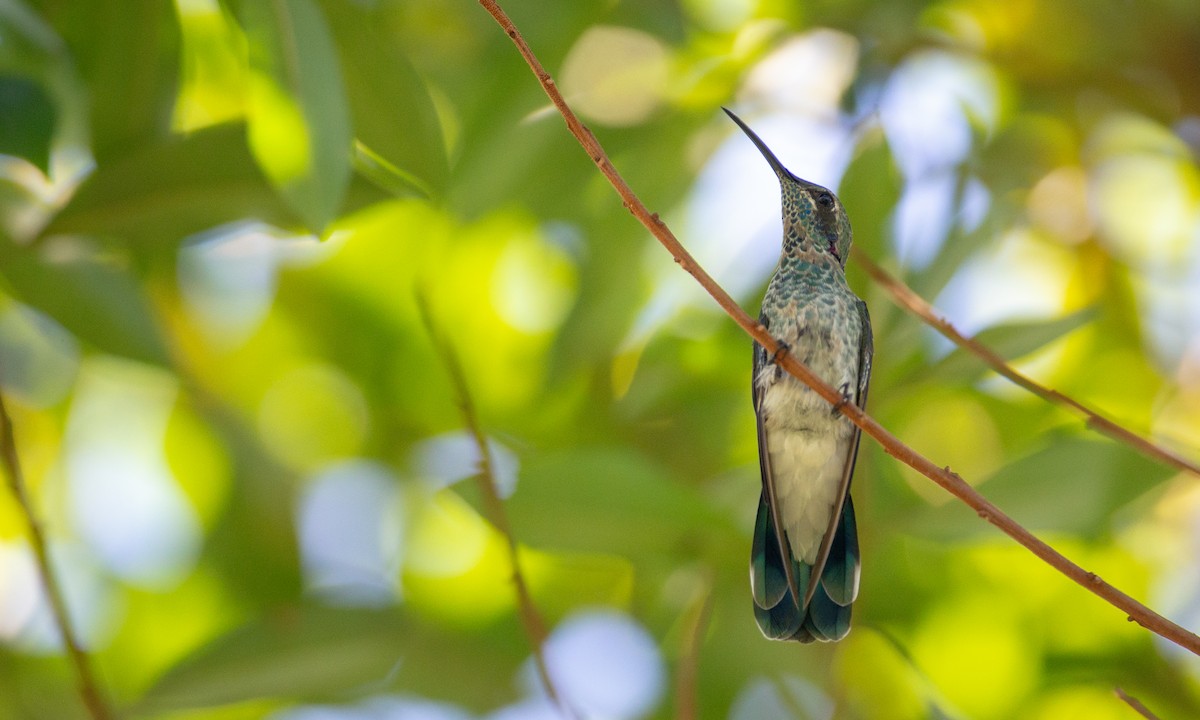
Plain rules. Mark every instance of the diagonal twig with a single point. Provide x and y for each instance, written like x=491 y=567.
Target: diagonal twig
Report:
x=1136 y=704
x=944 y=477
x=535 y=629
x=905 y=297
x=89 y=689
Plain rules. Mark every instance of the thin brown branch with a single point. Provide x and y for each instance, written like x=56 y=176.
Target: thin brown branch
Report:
x=948 y=480
x=89 y=689
x=687 y=680
x=906 y=298
x=1136 y=704
x=535 y=629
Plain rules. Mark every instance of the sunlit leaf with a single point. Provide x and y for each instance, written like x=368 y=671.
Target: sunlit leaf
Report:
x=163 y=192
x=1010 y=341
x=299 y=129
x=1073 y=485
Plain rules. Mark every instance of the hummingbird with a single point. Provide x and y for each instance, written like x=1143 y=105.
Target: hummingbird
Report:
x=804 y=564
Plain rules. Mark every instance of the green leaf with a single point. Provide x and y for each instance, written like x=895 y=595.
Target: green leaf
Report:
x=1073 y=485
x=171 y=189
x=1011 y=341
x=27 y=120
x=97 y=301
x=299 y=128
x=314 y=653
x=870 y=190
x=603 y=500
x=128 y=55
x=393 y=113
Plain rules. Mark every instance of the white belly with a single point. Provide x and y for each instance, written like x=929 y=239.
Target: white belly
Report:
x=807 y=444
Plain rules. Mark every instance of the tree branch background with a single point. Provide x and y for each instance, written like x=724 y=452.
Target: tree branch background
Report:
x=244 y=435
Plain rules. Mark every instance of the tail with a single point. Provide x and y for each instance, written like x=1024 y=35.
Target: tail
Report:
x=779 y=615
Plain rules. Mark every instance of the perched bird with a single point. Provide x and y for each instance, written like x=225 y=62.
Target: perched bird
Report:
x=804 y=565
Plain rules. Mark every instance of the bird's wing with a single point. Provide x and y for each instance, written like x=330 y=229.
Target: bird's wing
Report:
x=761 y=361
x=866 y=350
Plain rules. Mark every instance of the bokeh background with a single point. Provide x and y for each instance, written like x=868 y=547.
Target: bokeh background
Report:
x=215 y=219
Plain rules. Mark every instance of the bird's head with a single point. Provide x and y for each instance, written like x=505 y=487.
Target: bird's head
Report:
x=815 y=225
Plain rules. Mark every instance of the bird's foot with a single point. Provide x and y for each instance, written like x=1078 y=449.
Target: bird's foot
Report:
x=837 y=406
x=780 y=348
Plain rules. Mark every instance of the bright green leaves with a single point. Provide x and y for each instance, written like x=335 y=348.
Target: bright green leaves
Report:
x=298 y=127
x=97 y=301
x=393 y=113
x=167 y=190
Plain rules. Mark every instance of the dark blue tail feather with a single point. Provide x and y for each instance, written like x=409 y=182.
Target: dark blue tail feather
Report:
x=827 y=617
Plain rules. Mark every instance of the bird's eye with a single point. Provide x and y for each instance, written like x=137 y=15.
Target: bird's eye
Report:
x=825 y=200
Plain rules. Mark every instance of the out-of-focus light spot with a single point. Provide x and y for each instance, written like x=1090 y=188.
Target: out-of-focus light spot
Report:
x=1122 y=134
x=1146 y=205
x=616 y=76
x=1188 y=130
x=1058 y=204
x=38 y=359
x=125 y=503
x=1145 y=198
x=446 y=459
x=533 y=708
x=875 y=680
x=199 y=461
x=313 y=414
x=19 y=585
x=808 y=74
x=279 y=132
x=978 y=656
x=929 y=104
x=227 y=278
x=317 y=712
x=932 y=427
x=212 y=82
x=412 y=708
x=350 y=535
x=533 y=285
x=378 y=708
x=1078 y=703
x=1171 y=541
x=922 y=217
x=447 y=538
x=781 y=698
x=605 y=665
x=456 y=566
x=26 y=620
x=956 y=21
x=719 y=15
x=1021 y=279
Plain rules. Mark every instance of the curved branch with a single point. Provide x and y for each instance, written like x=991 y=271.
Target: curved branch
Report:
x=948 y=480
x=535 y=629
x=89 y=689
x=905 y=297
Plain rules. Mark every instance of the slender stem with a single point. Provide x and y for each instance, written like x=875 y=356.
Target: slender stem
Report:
x=535 y=629
x=906 y=298
x=948 y=480
x=687 y=680
x=89 y=690
x=1136 y=704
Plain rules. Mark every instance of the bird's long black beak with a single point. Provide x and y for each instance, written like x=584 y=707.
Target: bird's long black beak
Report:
x=777 y=166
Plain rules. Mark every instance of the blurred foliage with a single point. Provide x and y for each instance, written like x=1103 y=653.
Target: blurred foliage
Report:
x=215 y=219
